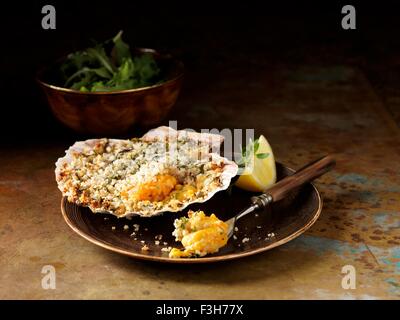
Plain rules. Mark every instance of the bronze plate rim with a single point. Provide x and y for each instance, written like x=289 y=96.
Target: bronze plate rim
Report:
x=206 y=259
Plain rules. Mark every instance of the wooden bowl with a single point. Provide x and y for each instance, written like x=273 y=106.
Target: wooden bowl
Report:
x=110 y=113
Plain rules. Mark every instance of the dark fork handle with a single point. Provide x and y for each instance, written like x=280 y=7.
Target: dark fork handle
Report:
x=283 y=187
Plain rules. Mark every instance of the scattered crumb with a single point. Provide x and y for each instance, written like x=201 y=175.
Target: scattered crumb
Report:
x=258 y=227
x=106 y=218
x=133 y=233
x=244 y=240
x=145 y=229
x=236 y=229
x=270 y=235
x=165 y=243
x=157 y=242
x=136 y=227
x=234 y=237
x=145 y=248
x=142 y=241
x=256 y=215
x=112 y=228
x=135 y=239
x=126 y=227
x=158 y=237
x=166 y=249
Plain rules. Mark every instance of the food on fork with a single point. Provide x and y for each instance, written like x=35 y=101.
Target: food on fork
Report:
x=199 y=234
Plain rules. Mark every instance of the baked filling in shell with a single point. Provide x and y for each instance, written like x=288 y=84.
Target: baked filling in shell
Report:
x=139 y=176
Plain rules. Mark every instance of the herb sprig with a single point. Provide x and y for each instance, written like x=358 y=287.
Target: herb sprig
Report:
x=249 y=152
x=183 y=222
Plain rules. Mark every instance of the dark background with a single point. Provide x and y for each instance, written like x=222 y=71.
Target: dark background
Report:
x=201 y=33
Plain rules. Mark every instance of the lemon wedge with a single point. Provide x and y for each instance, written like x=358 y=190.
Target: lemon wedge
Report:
x=260 y=171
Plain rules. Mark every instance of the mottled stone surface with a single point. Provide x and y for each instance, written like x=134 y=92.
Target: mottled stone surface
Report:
x=305 y=112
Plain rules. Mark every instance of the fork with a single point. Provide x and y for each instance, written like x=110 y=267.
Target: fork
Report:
x=282 y=188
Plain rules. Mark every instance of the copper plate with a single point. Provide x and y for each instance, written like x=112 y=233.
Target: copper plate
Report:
x=286 y=220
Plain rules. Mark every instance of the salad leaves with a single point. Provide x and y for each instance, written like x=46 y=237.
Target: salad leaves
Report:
x=109 y=66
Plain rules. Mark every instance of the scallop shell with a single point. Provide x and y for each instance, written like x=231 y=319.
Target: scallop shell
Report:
x=207 y=140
